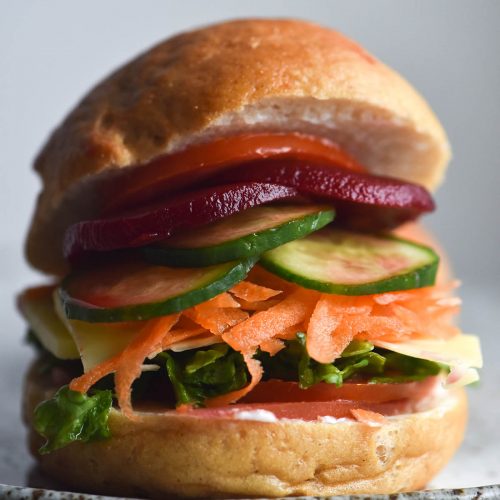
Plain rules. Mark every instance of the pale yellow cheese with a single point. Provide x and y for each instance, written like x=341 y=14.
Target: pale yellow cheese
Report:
x=461 y=353
x=463 y=350
x=48 y=328
x=97 y=342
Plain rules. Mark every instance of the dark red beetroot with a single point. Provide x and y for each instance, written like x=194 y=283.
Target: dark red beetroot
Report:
x=162 y=219
x=363 y=201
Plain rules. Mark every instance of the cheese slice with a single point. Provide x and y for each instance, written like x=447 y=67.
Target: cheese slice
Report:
x=97 y=342
x=48 y=328
x=461 y=353
x=459 y=350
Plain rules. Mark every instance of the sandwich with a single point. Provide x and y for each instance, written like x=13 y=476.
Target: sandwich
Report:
x=241 y=301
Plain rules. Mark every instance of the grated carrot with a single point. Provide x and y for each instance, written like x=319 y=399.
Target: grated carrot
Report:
x=129 y=366
x=260 y=276
x=222 y=300
x=328 y=333
x=368 y=417
x=290 y=333
x=261 y=305
x=179 y=335
x=216 y=319
x=272 y=346
x=84 y=382
x=264 y=325
x=251 y=292
x=37 y=292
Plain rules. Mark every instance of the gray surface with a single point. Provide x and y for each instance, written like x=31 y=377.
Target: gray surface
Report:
x=491 y=492
x=51 y=52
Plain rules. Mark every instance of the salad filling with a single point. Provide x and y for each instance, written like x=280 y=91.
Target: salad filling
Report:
x=274 y=287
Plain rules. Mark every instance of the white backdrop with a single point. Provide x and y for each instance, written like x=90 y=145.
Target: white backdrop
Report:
x=52 y=52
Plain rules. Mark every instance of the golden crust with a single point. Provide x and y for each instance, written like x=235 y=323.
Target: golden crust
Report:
x=160 y=456
x=224 y=79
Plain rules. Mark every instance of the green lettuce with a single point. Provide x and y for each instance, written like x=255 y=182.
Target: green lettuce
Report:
x=294 y=363
x=71 y=416
x=399 y=368
x=197 y=375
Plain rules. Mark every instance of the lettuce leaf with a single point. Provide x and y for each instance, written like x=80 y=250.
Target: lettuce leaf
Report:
x=197 y=375
x=400 y=368
x=293 y=363
x=71 y=416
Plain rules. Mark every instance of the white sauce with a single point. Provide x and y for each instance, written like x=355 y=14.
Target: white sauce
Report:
x=332 y=420
x=270 y=417
x=256 y=415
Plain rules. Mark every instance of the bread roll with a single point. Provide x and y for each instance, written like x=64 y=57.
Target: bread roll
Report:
x=229 y=78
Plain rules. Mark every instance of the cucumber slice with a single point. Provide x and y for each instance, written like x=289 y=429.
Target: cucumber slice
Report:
x=345 y=263
x=241 y=236
x=132 y=290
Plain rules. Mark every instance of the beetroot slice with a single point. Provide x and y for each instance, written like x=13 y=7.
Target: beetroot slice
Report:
x=363 y=201
x=162 y=219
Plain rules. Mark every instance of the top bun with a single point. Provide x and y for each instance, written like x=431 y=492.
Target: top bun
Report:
x=225 y=79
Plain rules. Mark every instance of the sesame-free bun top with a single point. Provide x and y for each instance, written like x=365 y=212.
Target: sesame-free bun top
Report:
x=225 y=79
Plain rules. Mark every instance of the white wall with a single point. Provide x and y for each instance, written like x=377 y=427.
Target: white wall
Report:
x=52 y=52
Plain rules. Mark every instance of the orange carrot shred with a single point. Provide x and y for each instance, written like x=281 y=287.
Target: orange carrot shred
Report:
x=290 y=333
x=252 y=292
x=184 y=408
x=272 y=346
x=37 y=292
x=221 y=300
x=323 y=342
x=175 y=336
x=260 y=276
x=129 y=367
x=256 y=371
x=261 y=305
x=248 y=335
x=216 y=320
x=369 y=417
x=84 y=382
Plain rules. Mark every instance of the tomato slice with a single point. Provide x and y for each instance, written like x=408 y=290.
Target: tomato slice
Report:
x=277 y=391
x=340 y=408
x=287 y=400
x=174 y=171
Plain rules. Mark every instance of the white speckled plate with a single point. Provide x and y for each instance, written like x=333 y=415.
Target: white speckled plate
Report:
x=485 y=493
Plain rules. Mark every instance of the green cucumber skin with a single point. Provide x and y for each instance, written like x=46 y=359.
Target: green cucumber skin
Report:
x=252 y=245
x=75 y=309
x=415 y=278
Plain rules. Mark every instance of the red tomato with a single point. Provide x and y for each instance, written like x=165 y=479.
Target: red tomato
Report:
x=176 y=170
x=277 y=391
x=340 y=408
x=287 y=400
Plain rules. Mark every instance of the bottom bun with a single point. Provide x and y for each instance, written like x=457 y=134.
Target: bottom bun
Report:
x=162 y=455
